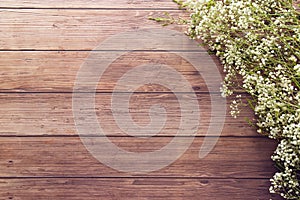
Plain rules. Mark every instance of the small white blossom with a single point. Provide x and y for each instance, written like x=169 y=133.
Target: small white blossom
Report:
x=256 y=45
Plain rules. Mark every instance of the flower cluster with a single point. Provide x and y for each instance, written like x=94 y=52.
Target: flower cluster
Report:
x=258 y=42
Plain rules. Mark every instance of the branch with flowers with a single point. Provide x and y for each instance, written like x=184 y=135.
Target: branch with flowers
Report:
x=259 y=41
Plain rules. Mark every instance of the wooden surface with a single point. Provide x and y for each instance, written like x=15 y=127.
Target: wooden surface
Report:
x=45 y=114
x=67 y=157
x=42 y=46
x=30 y=71
x=75 y=29
x=98 y=4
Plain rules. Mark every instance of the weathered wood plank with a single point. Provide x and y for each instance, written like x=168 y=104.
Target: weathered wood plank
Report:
x=67 y=157
x=135 y=188
x=70 y=29
x=56 y=71
x=153 y=4
x=51 y=114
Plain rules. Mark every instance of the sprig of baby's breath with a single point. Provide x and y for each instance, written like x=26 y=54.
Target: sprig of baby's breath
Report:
x=259 y=41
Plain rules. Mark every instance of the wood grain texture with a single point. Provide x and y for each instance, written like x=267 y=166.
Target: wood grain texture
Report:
x=56 y=71
x=58 y=29
x=51 y=114
x=135 y=188
x=67 y=157
x=82 y=4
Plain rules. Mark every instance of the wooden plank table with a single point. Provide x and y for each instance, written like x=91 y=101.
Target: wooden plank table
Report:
x=42 y=46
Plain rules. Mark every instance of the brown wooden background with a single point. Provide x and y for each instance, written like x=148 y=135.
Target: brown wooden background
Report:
x=42 y=45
